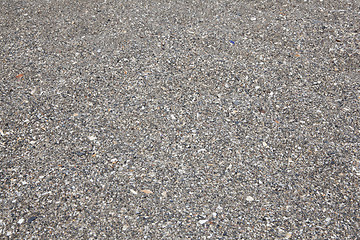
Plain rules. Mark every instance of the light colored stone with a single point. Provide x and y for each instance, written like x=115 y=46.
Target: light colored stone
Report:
x=92 y=138
x=249 y=198
x=203 y=221
x=21 y=221
x=288 y=235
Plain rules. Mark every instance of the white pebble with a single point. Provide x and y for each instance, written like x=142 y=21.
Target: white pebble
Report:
x=219 y=209
x=249 y=198
x=92 y=138
x=21 y=221
x=33 y=91
x=133 y=191
x=288 y=235
x=203 y=221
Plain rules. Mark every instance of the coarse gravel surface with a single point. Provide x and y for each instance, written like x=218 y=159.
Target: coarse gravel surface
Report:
x=179 y=119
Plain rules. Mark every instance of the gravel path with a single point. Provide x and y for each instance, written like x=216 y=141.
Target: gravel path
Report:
x=179 y=119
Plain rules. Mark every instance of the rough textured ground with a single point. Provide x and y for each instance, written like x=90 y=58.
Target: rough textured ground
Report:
x=179 y=119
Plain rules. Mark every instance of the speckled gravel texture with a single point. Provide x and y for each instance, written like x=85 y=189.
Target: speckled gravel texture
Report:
x=179 y=119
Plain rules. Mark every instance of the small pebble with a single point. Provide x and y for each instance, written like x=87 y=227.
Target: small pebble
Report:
x=31 y=219
x=203 y=221
x=249 y=199
x=91 y=138
x=79 y=153
x=21 y=221
x=219 y=209
x=33 y=91
x=147 y=191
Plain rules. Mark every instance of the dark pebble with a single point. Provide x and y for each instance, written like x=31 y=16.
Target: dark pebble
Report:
x=31 y=219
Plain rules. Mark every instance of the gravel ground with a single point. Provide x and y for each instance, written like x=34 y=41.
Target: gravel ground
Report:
x=179 y=119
